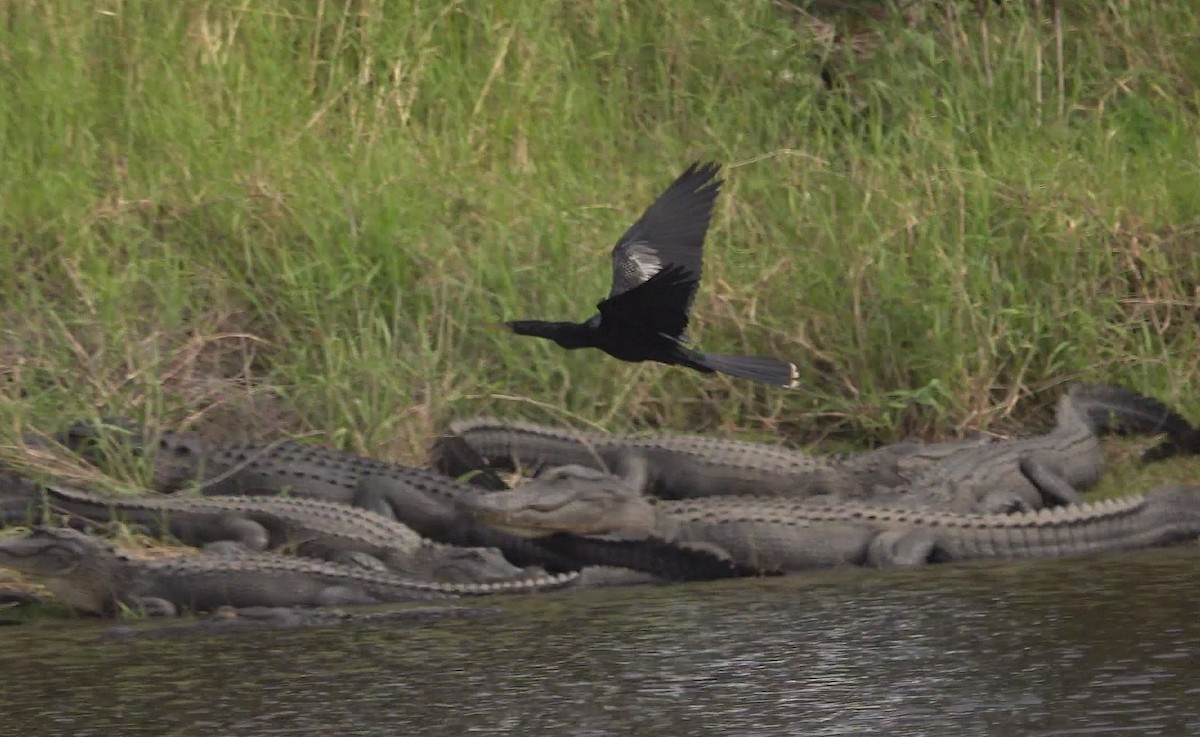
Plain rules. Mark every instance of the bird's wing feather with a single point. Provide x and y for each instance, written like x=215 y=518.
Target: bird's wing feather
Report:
x=657 y=305
x=670 y=231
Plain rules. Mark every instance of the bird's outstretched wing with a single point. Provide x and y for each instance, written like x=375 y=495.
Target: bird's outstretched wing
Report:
x=657 y=305
x=670 y=231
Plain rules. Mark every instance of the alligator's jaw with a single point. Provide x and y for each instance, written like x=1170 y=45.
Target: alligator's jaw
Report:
x=503 y=523
x=576 y=506
x=76 y=580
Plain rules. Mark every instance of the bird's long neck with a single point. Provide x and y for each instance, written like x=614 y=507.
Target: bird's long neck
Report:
x=566 y=334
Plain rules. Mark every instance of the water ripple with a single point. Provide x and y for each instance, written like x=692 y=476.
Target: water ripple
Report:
x=1092 y=647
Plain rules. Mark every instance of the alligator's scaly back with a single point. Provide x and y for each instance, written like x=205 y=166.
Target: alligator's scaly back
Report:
x=678 y=465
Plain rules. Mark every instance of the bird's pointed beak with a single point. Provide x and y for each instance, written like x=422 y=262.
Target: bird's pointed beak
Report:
x=498 y=326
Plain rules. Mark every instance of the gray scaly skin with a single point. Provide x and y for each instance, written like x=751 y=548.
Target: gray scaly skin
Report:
x=678 y=466
x=1023 y=474
x=781 y=535
x=963 y=475
x=308 y=527
x=92 y=576
x=422 y=499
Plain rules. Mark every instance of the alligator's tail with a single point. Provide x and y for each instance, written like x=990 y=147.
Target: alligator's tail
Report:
x=755 y=368
x=1116 y=409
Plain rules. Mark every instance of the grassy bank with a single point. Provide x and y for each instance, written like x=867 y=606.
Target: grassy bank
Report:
x=293 y=217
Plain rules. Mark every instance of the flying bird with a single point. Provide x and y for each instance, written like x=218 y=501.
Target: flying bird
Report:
x=656 y=270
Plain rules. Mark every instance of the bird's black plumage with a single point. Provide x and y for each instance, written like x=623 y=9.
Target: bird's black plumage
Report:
x=656 y=269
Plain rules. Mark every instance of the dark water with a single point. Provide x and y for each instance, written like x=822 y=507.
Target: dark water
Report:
x=1105 y=646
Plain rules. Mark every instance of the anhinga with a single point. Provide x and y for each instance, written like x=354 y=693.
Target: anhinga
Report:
x=656 y=269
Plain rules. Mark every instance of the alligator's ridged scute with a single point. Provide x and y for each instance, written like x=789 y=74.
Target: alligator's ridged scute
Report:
x=492 y=424
x=784 y=512
x=478 y=428
x=675 y=465
x=269 y=564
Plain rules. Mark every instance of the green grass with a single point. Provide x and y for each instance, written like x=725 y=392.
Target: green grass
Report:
x=294 y=217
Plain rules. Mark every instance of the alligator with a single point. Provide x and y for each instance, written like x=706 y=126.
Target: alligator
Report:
x=678 y=466
x=778 y=534
x=93 y=576
x=422 y=499
x=968 y=475
x=309 y=527
x=1023 y=474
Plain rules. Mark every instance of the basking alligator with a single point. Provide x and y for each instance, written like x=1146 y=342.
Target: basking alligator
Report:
x=92 y=576
x=422 y=499
x=964 y=475
x=1029 y=473
x=678 y=466
x=309 y=527
x=779 y=534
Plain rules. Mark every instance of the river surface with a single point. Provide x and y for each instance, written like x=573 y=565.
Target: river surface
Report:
x=1102 y=646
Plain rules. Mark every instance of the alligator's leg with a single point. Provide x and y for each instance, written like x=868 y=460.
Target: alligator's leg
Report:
x=1055 y=490
x=372 y=499
x=634 y=469
x=898 y=548
x=233 y=528
x=421 y=510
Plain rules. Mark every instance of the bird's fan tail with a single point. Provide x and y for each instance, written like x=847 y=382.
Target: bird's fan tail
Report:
x=756 y=368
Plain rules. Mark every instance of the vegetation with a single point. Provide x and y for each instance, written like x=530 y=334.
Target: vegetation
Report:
x=288 y=217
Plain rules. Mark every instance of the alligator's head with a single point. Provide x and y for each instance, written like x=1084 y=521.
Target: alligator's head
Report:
x=565 y=500
x=463 y=565
x=178 y=461
x=93 y=439
x=75 y=567
x=177 y=457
